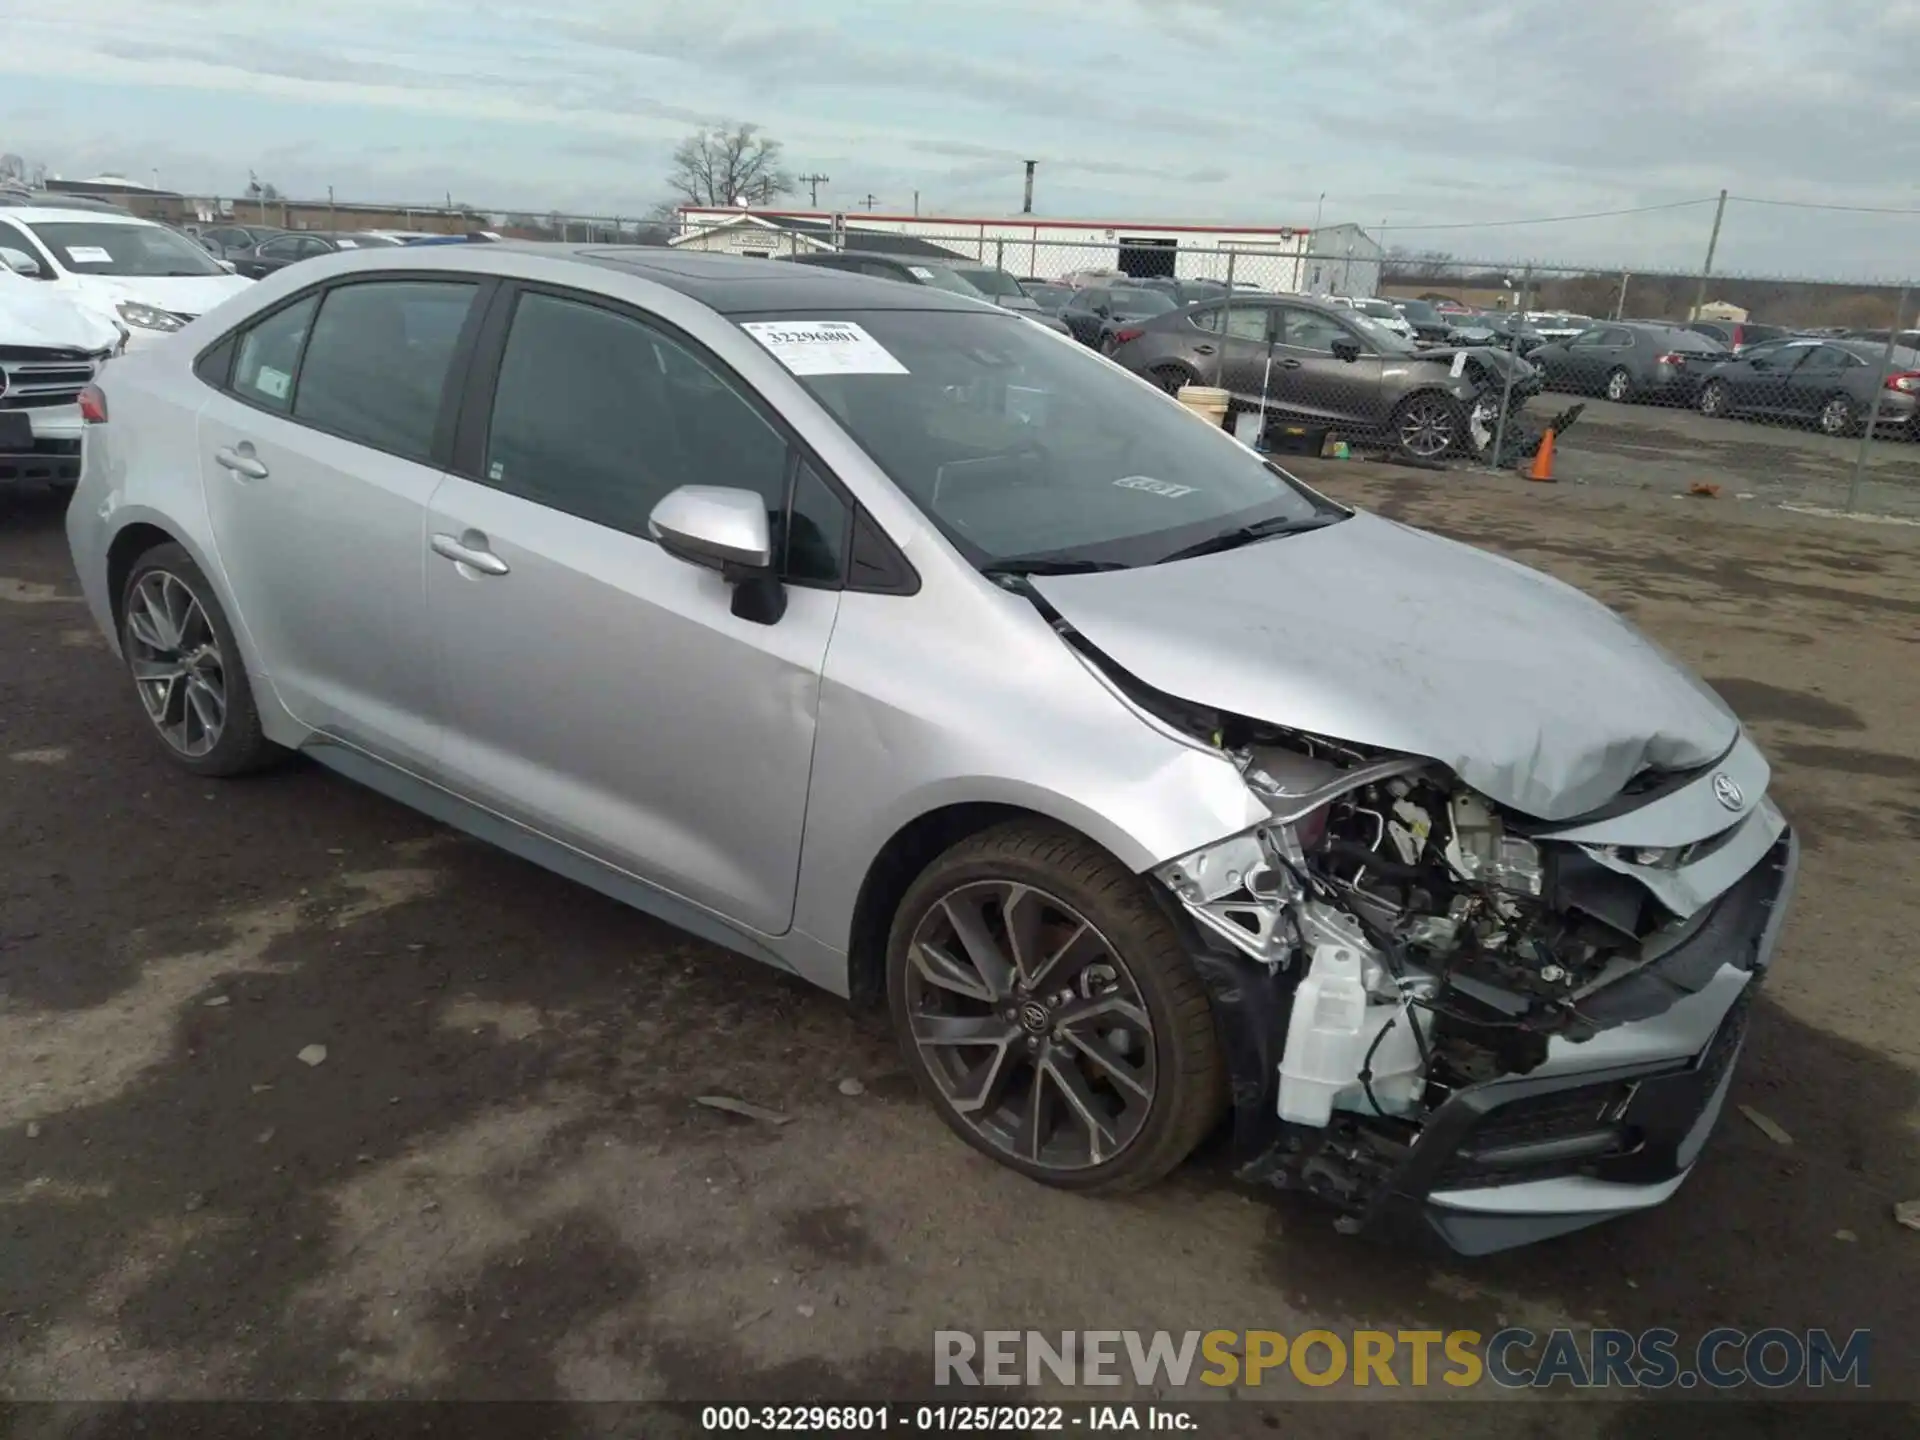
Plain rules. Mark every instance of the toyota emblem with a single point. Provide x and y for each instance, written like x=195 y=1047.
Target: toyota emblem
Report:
x=1727 y=791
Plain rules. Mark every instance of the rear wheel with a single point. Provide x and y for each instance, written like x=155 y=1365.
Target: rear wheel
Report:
x=1428 y=426
x=1048 y=1010
x=1172 y=378
x=186 y=667
x=1713 y=400
x=1619 y=386
x=1837 y=416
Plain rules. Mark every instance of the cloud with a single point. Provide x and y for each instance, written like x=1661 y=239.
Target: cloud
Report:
x=1196 y=110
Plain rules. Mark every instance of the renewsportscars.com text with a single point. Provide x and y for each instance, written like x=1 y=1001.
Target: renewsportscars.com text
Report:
x=1513 y=1358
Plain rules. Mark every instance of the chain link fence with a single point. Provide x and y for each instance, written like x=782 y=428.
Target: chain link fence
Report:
x=1684 y=381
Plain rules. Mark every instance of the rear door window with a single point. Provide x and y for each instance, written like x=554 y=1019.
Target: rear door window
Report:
x=376 y=366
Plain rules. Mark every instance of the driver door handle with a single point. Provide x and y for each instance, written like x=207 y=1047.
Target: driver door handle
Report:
x=241 y=463
x=476 y=558
x=1203 y=349
x=1287 y=364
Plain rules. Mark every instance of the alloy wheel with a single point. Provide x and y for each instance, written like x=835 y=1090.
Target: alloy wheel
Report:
x=1713 y=400
x=1427 y=428
x=1836 y=416
x=174 y=654
x=1031 y=1025
x=1619 y=386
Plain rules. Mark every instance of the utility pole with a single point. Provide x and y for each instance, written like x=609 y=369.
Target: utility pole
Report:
x=869 y=202
x=1713 y=243
x=813 y=184
x=1027 y=207
x=916 y=204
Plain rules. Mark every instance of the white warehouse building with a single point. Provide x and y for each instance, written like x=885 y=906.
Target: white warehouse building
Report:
x=1337 y=259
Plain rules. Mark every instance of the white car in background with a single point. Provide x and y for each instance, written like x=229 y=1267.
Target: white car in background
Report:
x=1380 y=312
x=152 y=279
x=51 y=348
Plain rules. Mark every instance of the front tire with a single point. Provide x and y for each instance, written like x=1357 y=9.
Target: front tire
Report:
x=186 y=667
x=1046 y=1007
x=1172 y=378
x=1619 y=388
x=1429 y=426
x=1713 y=400
x=1837 y=416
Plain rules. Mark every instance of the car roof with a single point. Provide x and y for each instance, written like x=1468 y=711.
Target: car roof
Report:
x=727 y=284
x=65 y=215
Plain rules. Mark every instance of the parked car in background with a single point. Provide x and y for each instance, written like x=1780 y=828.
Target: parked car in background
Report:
x=1381 y=312
x=1552 y=325
x=56 y=200
x=224 y=240
x=1829 y=383
x=52 y=346
x=1501 y=328
x=277 y=252
x=955 y=277
x=1049 y=295
x=152 y=279
x=1429 y=325
x=1631 y=360
x=1096 y=312
x=864 y=631
x=1905 y=339
x=1184 y=292
x=1096 y=275
x=1737 y=335
x=1304 y=360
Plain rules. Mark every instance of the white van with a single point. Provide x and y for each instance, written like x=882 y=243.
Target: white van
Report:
x=152 y=279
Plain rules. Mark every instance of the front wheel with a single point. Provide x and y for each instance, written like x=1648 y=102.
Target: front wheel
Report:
x=1619 y=387
x=1837 y=416
x=1713 y=400
x=1046 y=1007
x=1429 y=426
x=1172 y=378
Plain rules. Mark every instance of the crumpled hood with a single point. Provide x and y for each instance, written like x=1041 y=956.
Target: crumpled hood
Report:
x=180 y=294
x=34 y=314
x=1375 y=633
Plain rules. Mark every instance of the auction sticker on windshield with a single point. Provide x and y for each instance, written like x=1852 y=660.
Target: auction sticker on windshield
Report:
x=824 y=347
x=88 y=255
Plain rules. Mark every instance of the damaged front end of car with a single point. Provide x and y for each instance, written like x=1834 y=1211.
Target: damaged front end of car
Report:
x=1435 y=1005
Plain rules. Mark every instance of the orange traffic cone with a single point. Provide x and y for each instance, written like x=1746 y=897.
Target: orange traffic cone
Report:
x=1542 y=467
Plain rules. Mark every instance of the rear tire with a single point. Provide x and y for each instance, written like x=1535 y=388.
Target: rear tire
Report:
x=1172 y=378
x=1713 y=400
x=1619 y=387
x=1047 y=1009
x=186 y=667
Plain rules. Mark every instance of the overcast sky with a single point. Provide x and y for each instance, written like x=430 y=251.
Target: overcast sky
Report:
x=1238 y=111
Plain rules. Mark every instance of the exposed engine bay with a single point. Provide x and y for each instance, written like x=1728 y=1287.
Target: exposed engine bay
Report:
x=1434 y=939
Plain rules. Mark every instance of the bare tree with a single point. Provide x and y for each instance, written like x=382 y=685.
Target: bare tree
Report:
x=256 y=191
x=729 y=165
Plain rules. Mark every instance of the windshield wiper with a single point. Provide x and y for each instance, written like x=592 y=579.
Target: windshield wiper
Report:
x=1247 y=534
x=1050 y=565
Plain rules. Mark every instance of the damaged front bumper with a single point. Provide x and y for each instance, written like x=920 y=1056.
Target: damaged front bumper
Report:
x=1604 y=1126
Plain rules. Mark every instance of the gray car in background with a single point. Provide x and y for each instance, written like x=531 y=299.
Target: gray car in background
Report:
x=862 y=629
x=957 y=277
x=1628 y=360
x=1303 y=360
x=1829 y=383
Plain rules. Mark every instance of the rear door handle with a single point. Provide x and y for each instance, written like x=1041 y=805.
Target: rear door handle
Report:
x=241 y=462
x=1288 y=364
x=1203 y=349
x=474 y=557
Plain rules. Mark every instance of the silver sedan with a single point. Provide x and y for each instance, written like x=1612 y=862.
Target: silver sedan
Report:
x=877 y=634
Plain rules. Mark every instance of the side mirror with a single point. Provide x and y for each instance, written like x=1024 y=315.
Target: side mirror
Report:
x=725 y=529
x=1103 y=311
x=19 y=262
x=1347 y=350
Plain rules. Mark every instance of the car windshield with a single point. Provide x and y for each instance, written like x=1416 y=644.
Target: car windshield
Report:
x=1136 y=303
x=1418 y=310
x=1028 y=452
x=941 y=278
x=1387 y=342
x=104 y=247
x=1379 y=309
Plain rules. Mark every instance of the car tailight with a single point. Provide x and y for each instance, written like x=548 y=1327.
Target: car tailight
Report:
x=1673 y=357
x=93 y=405
x=1132 y=332
x=1907 y=382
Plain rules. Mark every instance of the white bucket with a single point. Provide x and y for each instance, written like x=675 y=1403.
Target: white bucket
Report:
x=1209 y=403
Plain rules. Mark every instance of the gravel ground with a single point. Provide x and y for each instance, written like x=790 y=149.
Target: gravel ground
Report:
x=496 y=1183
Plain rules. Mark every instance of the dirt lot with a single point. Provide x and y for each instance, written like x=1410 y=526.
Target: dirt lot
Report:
x=496 y=1184
x=1664 y=449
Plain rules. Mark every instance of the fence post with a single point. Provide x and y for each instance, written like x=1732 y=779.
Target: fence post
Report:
x=999 y=254
x=1873 y=415
x=1513 y=363
x=1620 y=304
x=1220 y=364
